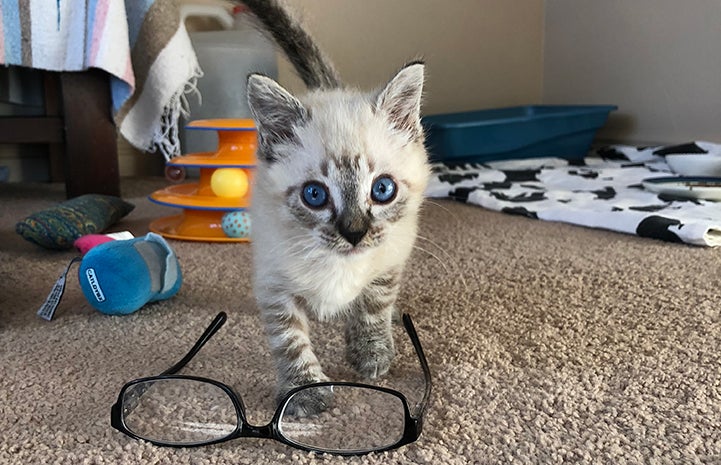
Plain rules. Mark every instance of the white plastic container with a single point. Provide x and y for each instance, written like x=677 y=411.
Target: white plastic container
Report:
x=226 y=58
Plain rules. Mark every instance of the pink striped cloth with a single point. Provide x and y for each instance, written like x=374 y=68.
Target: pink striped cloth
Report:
x=142 y=44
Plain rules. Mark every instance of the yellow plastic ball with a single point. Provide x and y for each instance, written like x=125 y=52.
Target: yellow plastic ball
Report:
x=229 y=182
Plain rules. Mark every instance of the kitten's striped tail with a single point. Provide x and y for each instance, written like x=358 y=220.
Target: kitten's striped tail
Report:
x=300 y=48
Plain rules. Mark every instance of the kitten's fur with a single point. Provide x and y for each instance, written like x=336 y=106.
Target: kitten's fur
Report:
x=305 y=259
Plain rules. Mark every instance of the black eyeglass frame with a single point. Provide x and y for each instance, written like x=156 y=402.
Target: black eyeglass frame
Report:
x=413 y=425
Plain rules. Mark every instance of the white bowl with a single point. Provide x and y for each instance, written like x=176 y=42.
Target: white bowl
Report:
x=695 y=164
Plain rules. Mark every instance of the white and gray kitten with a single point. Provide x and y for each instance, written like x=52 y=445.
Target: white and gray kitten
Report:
x=339 y=183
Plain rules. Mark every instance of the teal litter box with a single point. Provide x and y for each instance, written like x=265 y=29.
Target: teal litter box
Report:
x=564 y=131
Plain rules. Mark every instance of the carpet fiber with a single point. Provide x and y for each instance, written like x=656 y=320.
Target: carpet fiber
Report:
x=548 y=343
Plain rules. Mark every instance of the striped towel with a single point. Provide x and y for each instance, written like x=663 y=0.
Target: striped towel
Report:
x=142 y=44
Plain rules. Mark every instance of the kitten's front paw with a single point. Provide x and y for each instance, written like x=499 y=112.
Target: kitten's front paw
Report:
x=371 y=357
x=309 y=401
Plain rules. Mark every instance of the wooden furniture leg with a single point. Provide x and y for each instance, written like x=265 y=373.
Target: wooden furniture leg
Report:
x=54 y=112
x=91 y=154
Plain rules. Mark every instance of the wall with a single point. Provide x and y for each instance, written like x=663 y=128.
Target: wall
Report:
x=658 y=60
x=479 y=53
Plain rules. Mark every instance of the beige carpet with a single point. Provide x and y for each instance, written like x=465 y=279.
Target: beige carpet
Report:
x=548 y=343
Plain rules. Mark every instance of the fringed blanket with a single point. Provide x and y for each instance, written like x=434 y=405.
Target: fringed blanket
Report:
x=142 y=44
x=602 y=191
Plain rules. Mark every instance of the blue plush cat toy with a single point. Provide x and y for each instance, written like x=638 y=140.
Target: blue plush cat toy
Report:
x=121 y=276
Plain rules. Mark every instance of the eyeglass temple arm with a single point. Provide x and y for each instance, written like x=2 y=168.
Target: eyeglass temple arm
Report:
x=411 y=330
x=217 y=323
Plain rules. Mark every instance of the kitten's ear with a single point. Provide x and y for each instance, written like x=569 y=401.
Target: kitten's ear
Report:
x=401 y=100
x=274 y=109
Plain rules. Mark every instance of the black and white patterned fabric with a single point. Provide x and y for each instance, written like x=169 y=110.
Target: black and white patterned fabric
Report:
x=602 y=191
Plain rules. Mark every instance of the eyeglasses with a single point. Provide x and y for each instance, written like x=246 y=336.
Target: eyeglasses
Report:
x=186 y=411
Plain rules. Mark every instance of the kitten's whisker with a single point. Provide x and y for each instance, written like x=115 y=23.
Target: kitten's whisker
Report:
x=447 y=255
x=292 y=239
x=310 y=249
x=310 y=245
x=442 y=207
x=437 y=258
x=443 y=264
x=299 y=249
x=433 y=243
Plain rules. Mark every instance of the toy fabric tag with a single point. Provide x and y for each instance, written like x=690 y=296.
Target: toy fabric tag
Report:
x=47 y=310
x=122 y=235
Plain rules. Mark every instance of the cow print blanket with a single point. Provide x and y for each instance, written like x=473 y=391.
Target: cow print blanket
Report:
x=601 y=191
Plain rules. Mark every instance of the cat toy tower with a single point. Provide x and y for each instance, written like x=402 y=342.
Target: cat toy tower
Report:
x=214 y=209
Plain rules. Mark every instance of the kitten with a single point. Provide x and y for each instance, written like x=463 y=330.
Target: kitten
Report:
x=338 y=187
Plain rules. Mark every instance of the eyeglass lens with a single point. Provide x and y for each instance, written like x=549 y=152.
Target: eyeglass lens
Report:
x=355 y=419
x=179 y=411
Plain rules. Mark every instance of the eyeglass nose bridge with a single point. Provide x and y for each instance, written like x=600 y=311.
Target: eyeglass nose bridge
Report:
x=252 y=431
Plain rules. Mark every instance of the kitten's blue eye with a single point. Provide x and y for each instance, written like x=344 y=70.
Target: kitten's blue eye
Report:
x=315 y=195
x=383 y=190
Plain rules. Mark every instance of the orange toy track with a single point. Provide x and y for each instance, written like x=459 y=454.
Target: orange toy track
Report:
x=202 y=209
